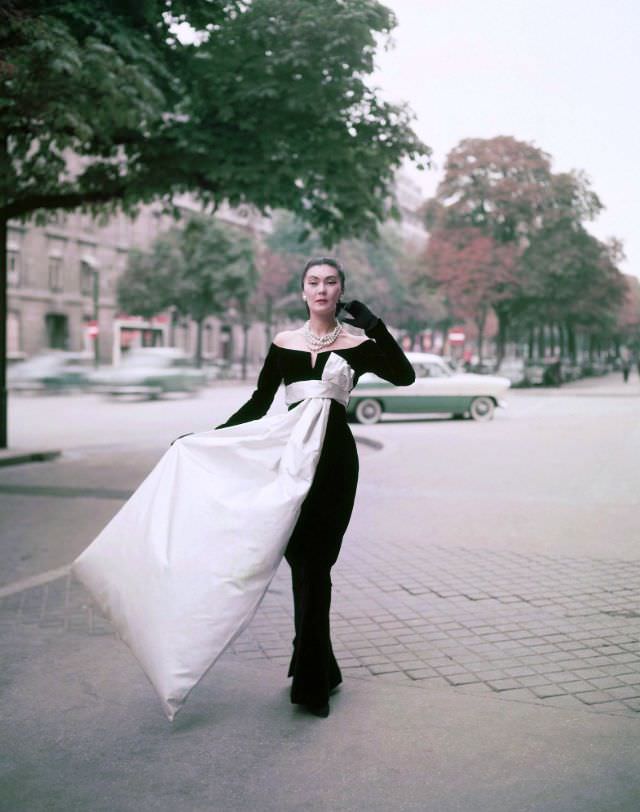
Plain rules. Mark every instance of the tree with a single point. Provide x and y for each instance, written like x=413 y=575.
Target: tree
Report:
x=473 y=270
x=200 y=270
x=103 y=107
x=505 y=190
x=628 y=324
x=572 y=282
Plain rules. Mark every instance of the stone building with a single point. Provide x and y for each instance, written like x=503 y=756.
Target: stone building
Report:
x=62 y=283
x=62 y=286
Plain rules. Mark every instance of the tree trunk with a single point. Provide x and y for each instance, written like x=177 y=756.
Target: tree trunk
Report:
x=480 y=324
x=268 y=319
x=3 y=332
x=245 y=348
x=199 y=331
x=541 y=343
x=571 y=342
x=503 y=331
x=532 y=342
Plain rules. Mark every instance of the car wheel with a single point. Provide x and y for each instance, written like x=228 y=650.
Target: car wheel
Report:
x=482 y=409
x=368 y=411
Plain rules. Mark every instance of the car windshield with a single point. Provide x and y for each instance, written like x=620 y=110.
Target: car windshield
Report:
x=431 y=369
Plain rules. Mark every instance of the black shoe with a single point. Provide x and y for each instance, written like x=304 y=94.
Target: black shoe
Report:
x=319 y=710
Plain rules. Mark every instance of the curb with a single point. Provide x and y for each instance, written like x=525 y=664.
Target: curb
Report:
x=9 y=457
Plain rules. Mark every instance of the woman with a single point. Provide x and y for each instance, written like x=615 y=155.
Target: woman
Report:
x=300 y=355
x=182 y=567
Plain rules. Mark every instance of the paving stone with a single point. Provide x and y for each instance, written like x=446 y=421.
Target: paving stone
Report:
x=630 y=679
x=544 y=691
x=605 y=682
x=594 y=697
x=421 y=673
x=503 y=684
x=385 y=668
x=625 y=692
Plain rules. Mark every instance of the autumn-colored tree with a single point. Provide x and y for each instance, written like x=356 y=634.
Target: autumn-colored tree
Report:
x=473 y=270
x=505 y=190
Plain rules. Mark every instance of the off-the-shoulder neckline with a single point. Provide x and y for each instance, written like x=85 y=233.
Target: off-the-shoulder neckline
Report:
x=321 y=352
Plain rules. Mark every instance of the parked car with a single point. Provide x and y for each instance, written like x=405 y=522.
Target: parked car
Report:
x=514 y=369
x=437 y=389
x=53 y=371
x=150 y=372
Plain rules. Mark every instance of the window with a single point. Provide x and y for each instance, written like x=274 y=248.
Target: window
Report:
x=13 y=269
x=57 y=331
x=86 y=279
x=13 y=334
x=55 y=274
x=436 y=371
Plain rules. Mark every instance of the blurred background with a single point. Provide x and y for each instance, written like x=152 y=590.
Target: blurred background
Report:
x=168 y=170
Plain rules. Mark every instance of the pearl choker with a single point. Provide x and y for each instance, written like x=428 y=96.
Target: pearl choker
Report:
x=315 y=342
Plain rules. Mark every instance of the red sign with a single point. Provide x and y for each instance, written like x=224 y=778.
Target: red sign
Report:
x=92 y=329
x=456 y=335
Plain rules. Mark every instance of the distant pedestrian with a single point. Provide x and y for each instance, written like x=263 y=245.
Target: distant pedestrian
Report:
x=625 y=359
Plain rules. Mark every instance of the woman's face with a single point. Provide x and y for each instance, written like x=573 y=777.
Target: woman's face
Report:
x=322 y=289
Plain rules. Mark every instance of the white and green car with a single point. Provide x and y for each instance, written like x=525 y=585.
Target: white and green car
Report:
x=437 y=389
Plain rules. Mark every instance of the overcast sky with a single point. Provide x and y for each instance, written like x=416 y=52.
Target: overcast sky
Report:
x=562 y=74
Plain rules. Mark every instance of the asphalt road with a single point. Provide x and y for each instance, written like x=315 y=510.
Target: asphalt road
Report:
x=555 y=473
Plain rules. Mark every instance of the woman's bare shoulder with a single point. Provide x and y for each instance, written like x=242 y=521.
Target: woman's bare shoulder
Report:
x=288 y=339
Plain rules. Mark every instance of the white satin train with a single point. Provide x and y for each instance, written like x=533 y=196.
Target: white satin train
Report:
x=182 y=567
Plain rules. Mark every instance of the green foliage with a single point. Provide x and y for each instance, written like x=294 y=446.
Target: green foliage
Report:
x=101 y=105
x=571 y=278
x=201 y=270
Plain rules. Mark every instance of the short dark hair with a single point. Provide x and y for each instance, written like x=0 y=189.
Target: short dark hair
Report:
x=330 y=261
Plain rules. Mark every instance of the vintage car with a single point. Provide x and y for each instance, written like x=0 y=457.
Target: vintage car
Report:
x=150 y=372
x=437 y=389
x=54 y=371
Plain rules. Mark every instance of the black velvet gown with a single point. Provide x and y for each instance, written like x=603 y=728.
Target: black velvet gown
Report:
x=315 y=542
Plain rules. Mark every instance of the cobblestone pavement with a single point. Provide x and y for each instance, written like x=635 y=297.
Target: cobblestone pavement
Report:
x=532 y=628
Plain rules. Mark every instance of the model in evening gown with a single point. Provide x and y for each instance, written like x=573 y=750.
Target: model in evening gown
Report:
x=182 y=567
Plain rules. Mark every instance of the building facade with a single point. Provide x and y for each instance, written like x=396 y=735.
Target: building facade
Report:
x=62 y=280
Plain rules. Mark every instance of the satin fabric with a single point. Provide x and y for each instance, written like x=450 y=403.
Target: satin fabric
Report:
x=182 y=567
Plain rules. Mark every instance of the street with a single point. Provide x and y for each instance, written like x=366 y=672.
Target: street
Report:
x=489 y=563
x=555 y=473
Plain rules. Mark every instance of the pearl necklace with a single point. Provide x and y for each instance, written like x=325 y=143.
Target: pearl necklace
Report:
x=315 y=342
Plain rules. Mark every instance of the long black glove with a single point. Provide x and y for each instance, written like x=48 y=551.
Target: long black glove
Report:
x=363 y=318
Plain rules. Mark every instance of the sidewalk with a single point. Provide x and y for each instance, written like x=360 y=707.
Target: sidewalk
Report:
x=611 y=385
x=83 y=731
x=486 y=679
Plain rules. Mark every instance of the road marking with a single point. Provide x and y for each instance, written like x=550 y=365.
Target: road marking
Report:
x=34 y=580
